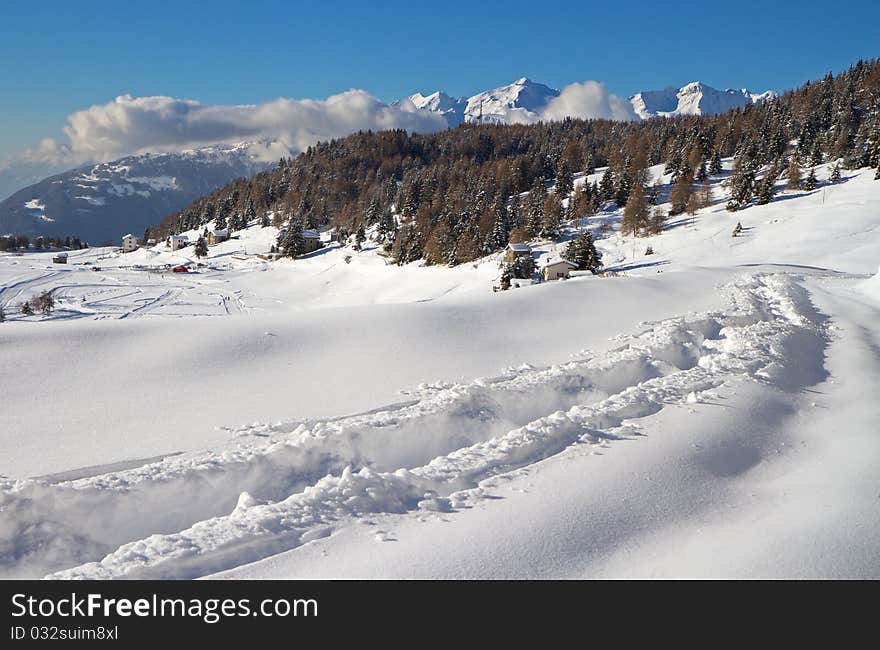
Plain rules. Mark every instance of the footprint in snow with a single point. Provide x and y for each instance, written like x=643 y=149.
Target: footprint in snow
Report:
x=382 y=536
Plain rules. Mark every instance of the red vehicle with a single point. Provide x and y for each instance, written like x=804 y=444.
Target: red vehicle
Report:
x=180 y=269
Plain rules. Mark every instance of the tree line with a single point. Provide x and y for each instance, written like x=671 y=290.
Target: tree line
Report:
x=16 y=242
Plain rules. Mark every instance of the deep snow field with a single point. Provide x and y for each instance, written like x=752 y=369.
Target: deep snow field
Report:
x=706 y=411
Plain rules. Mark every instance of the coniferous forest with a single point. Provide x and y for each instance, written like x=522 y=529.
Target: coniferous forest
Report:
x=457 y=195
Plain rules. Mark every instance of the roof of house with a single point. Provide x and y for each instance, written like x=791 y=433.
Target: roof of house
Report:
x=180 y=237
x=311 y=234
x=127 y=236
x=220 y=233
x=520 y=247
x=559 y=261
x=60 y=254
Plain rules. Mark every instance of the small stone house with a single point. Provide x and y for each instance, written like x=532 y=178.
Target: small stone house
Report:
x=217 y=236
x=129 y=243
x=176 y=242
x=515 y=251
x=60 y=258
x=557 y=269
x=312 y=240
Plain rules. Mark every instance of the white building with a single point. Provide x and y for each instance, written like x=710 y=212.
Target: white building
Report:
x=558 y=269
x=177 y=242
x=129 y=243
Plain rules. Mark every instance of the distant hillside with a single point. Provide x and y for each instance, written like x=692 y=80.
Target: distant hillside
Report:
x=105 y=201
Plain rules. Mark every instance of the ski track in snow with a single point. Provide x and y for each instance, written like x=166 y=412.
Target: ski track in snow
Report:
x=282 y=485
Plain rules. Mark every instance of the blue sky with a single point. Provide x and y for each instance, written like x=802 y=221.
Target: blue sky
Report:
x=58 y=57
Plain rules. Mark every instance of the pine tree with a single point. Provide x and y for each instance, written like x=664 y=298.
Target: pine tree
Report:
x=564 y=179
x=360 y=237
x=606 y=185
x=835 y=173
x=292 y=242
x=582 y=251
x=386 y=227
x=715 y=163
x=371 y=216
x=635 y=214
x=681 y=194
x=794 y=175
x=552 y=219
x=765 y=190
x=811 y=182
x=702 y=173
x=506 y=274
x=2 y=314
x=624 y=187
x=201 y=248
x=657 y=222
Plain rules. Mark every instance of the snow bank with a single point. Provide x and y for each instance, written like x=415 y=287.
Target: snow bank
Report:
x=871 y=286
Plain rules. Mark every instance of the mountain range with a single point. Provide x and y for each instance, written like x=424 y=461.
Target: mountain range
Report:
x=524 y=100
x=100 y=202
x=104 y=201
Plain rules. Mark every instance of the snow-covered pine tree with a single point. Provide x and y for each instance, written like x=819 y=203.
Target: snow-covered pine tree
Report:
x=292 y=242
x=624 y=186
x=811 y=182
x=360 y=237
x=582 y=251
x=200 y=250
x=564 y=179
x=835 y=173
x=506 y=275
x=552 y=218
x=715 y=163
x=765 y=190
x=371 y=215
x=702 y=173
x=606 y=185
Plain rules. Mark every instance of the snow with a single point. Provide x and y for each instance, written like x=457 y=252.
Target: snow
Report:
x=695 y=98
x=706 y=411
x=519 y=102
x=524 y=100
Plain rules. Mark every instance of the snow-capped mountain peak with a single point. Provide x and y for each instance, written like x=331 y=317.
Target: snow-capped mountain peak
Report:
x=524 y=99
x=519 y=101
x=516 y=102
x=695 y=98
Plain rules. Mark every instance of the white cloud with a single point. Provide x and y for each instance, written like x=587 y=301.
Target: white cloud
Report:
x=131 y=125
x=588 y=100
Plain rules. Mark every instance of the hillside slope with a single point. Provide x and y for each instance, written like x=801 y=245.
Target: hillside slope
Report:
x=301 y=427
x=105 y=201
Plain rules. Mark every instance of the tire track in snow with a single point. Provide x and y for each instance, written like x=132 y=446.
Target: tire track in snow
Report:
x=306 y=476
